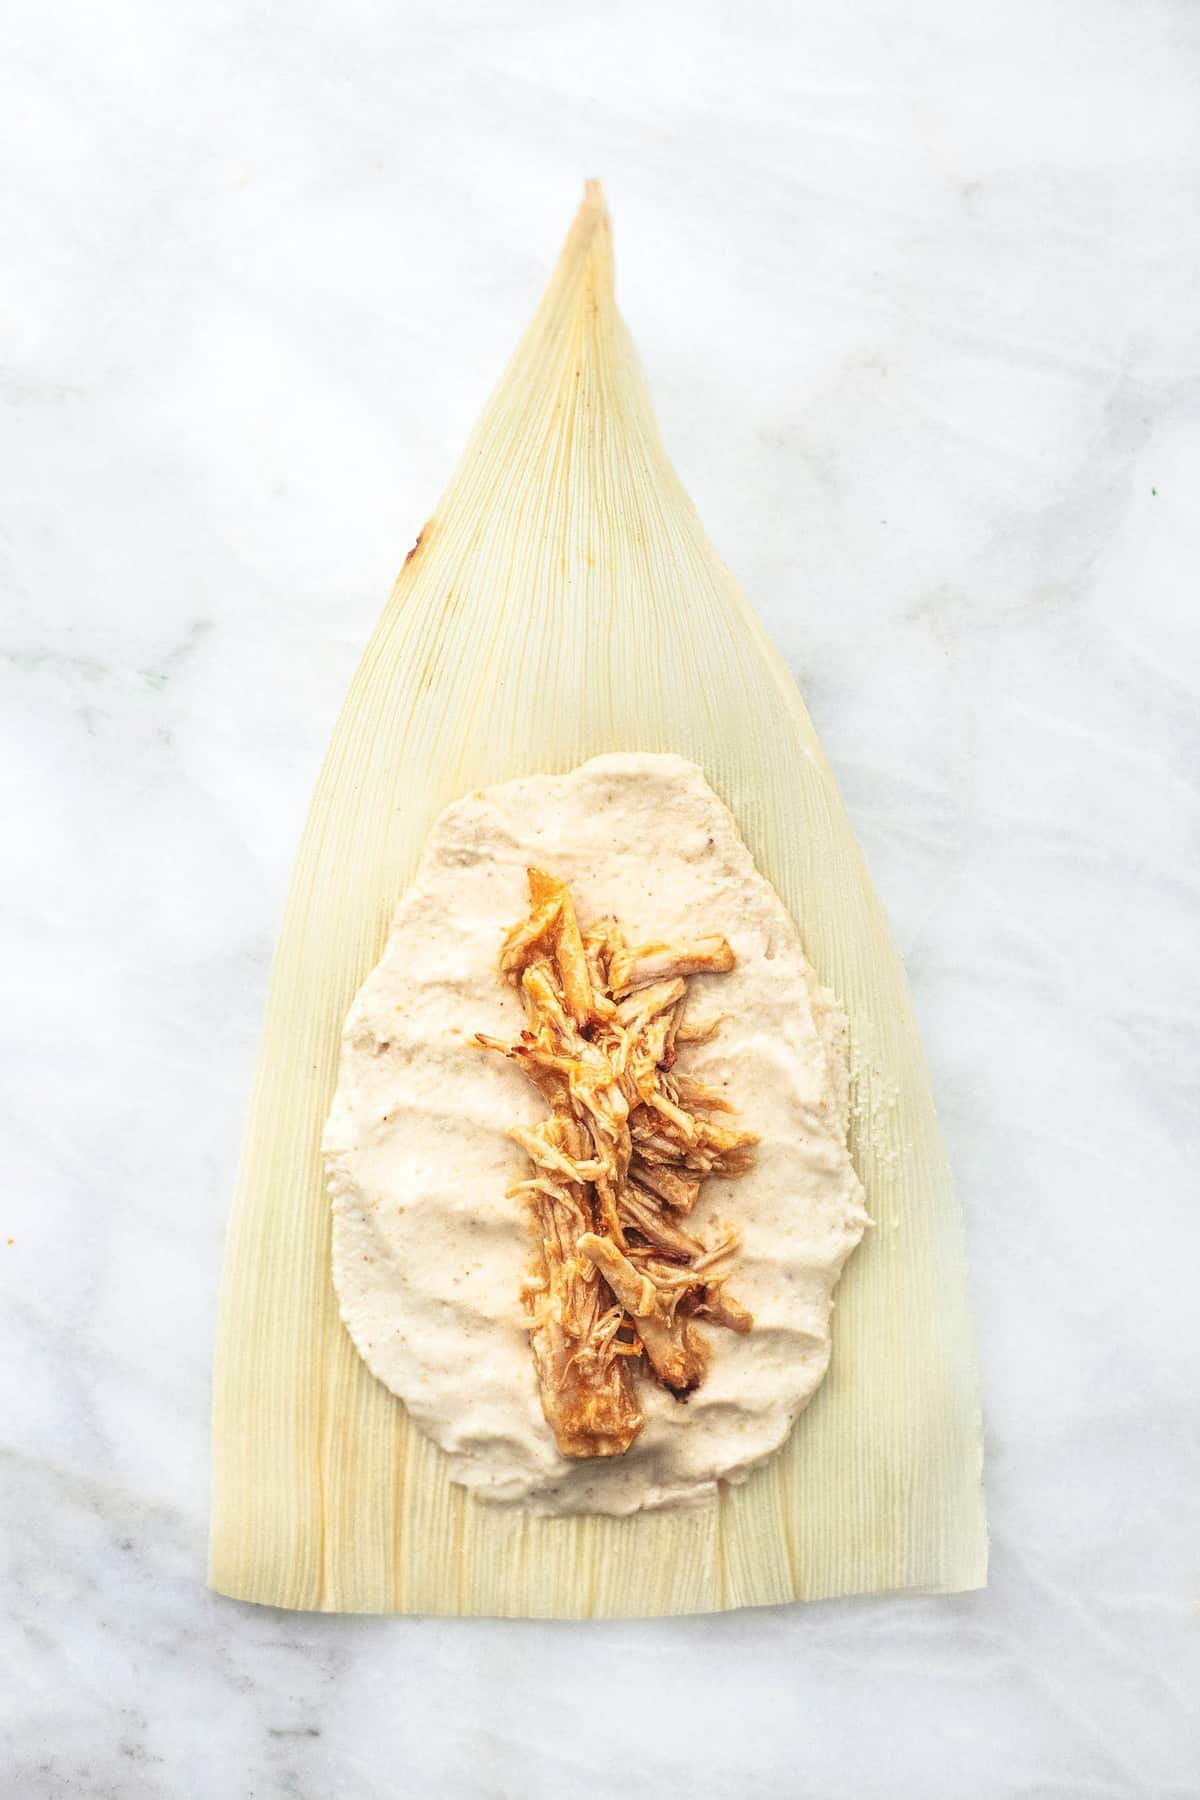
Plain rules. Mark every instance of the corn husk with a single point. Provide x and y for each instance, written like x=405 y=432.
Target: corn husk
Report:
x=563 y=600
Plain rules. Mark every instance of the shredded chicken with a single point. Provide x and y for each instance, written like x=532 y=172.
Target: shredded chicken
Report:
x=619 y=1161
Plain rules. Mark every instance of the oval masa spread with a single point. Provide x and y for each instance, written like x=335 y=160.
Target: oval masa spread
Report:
x=429 y=1251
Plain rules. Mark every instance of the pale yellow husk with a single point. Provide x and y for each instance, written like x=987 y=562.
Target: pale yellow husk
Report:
x=563 y=600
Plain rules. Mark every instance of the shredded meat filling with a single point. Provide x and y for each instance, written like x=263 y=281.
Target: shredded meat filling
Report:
x=617 y=1280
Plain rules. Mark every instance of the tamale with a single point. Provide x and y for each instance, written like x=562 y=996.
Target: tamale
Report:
x=563 y=601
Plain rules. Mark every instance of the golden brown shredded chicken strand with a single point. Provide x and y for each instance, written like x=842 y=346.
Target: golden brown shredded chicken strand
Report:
x=618 y=1163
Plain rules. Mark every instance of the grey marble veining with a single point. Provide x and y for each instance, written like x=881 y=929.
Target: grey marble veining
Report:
x=917 y=288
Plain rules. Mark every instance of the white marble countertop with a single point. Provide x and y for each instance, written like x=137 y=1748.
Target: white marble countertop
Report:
x=916 y=285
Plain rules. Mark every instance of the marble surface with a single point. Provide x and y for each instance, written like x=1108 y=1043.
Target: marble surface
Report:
x=917 y=286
